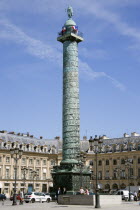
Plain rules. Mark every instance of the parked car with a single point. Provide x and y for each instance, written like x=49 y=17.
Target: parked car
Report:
x=48 y=197
x=125 y=194
x=37 y=196
x=2 y=197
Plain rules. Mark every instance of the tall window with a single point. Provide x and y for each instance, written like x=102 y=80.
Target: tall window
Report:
x=122 y=161
x=15 y=173
x=138 y=160
x=30 y=173
x=131 y=172
x=114 y=162
x=123 y=174
x=7 y=159
x=38 y=174
x=138 y=172
x=100 y=163
x=30 y=161
x=107 y=162
x=44 y=175
x=115 y=174
x=0 y=159
x=7 y=173
x=37 y=162
x=52 y=162
x=107 y=174
x=100 y=175
x=44 y=162
x=0 y=173
x=23 y=161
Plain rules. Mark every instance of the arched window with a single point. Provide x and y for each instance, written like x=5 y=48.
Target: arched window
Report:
x=122 y=186
x=114 y=162
x=107 y=186
x=131 y=184
x=91 y=162
x=53 y=151
x=122 y=161
x=115 y=186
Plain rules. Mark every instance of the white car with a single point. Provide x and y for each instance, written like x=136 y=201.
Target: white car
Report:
x=37 y=197
x=125 y=194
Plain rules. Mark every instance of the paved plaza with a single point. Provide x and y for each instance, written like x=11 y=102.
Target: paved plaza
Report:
x=50 y=206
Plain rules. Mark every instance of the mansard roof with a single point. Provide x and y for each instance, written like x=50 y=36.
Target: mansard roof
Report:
x=6 y=137
x=57 y=142
x=123 y=140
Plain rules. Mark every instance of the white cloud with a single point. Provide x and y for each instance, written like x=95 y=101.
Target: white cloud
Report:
x=41 y=50
x=87 y=70
x=98 y=9
x=34 y=47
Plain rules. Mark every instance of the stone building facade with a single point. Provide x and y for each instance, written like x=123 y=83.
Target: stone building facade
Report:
x=41 y=155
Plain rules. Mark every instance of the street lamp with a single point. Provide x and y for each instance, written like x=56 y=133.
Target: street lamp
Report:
x=81 y=163
x=34 y=174
x=16 y=154
x=95 y=145
x=128 y=164
x=24 y=172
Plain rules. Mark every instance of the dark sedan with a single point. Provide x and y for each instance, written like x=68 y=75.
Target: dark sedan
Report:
x=2 y=197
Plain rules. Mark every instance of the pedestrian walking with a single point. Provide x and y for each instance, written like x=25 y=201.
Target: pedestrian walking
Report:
x=135 y=196
x=64 y=191
x=58 y=192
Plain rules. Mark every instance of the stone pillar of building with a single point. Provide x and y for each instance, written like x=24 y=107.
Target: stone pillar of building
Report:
x=68 y=174
x=3 y=167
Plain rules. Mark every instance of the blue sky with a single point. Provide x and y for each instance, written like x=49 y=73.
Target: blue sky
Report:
x=31 y=66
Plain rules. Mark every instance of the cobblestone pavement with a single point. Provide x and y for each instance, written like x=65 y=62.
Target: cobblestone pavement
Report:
x=51 y=206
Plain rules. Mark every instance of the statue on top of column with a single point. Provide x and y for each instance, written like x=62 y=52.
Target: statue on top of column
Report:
x=70 y=12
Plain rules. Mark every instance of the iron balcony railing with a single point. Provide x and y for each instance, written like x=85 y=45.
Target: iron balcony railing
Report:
x=78 y=33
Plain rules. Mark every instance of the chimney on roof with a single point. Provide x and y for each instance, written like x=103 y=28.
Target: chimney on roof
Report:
x=12 y=132
x=84 y=138
x=125 y=135
x=28 y=134
x=3 y=131
x=18 y=134
x=41 y=137
x=104 y=137
x=57 y=137
x=31 y=136
x=135 y=134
